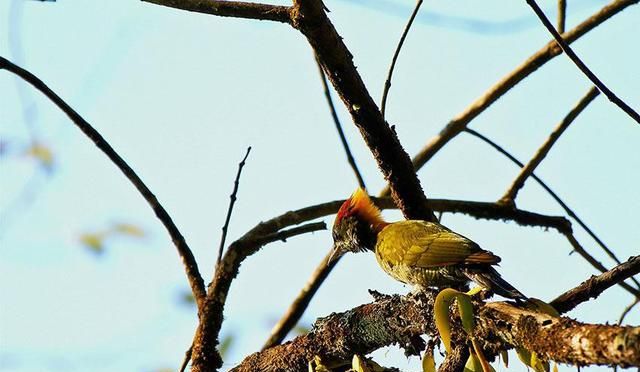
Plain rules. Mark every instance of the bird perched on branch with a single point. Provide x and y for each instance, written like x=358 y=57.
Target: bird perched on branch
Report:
x=420 y=253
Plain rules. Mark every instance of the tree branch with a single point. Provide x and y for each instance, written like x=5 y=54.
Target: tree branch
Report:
x=336 y=121
x=510 y=196
x=387 y=83
x=300 y=304
x=537 y=60
x=310 y=18
x=191 y=267
x=235 y=9
x=562 y=15
x=232 y=201
x=578 y=62
x=403 y=319
x=595 y=263
x=555 y=196
x=594 y=286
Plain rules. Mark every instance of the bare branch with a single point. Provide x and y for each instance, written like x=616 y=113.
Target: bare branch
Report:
x=232 y=201
x=594 y=286
x=595 y=263
x=578 y=62
x=562 y=15
x=336 y=121
x=555 y=196
x=235 y=9
x=191 y=267
x=300 y=304
x=309 y=17
x=387 y=83
x=554 y=338
x=510 y=196
x=403 y=319
x=537 y=60
x=456 y=360
x=628 y=309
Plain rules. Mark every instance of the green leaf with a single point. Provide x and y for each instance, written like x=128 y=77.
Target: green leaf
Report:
x=505 y=358
x=225 y=345
x=473 y=364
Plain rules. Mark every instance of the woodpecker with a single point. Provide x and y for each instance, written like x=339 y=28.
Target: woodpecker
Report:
x=419 y=253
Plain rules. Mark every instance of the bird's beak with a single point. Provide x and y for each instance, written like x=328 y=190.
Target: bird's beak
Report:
x=336 y=253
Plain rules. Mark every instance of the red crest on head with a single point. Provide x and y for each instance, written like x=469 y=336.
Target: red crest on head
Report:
x=361 y=206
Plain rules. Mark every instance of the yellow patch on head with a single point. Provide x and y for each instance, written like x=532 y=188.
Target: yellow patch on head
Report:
x=360 y=205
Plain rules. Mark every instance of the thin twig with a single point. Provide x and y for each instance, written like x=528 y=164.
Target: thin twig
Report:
x=232 y=202
x=553 y=194
x=578 y=62
x=387 y=83
x=627 y=310
x=594 y=286
x=187 y=358
x=510 y=196
x=235 y=9
x=191 y=267
x=535 y=61
x=562 y=15
x=595 y=263
x=336 y=121
x=300 y=304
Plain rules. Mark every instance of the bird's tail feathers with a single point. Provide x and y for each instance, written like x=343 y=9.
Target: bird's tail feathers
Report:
x=489 y=278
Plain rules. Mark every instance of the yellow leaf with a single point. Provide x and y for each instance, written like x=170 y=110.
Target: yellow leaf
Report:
x=128 y=229
x=537 y=364
x=359 y=364
x=315 y=365
x=555 y=367
x=93 y=241
x=486 y=367
x=42 y=153
x=428 y=362
x=441 y=314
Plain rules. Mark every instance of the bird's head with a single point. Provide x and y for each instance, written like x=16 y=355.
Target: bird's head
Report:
x=357 y=224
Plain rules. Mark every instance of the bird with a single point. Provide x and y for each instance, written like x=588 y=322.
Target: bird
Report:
x=419 y=253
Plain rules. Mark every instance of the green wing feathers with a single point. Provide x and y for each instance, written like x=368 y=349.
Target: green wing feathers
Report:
x=425 y=244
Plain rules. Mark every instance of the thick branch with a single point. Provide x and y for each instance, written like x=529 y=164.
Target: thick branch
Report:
x=236 y=9
x=191 y=267
x=537 y=60
x=402 y=319
x=310 y=18
x=594 y=286
x=559 y=338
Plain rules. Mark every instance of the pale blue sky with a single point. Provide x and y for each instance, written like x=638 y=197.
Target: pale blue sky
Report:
x=180 y=96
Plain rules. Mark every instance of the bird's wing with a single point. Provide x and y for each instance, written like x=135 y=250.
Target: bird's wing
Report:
x=426 y=244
